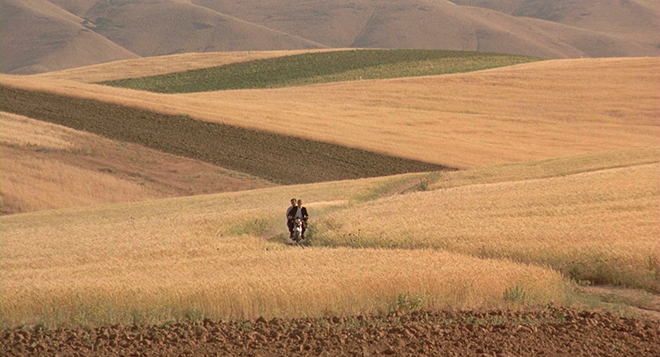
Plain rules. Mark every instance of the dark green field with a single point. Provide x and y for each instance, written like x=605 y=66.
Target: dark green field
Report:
x=277 y=158
x=323 y=67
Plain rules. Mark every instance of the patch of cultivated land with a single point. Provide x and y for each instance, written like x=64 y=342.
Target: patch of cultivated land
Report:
x=47 y=166
x=553 y=251
x=551 y=331
x=321 y=67
x=277 y=158
x=525 y=112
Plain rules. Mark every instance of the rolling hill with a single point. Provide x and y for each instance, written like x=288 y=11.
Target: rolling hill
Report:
x=85 y=32
x=520 y=113
x=524 y=112
x=38 y=36
x=558 y=193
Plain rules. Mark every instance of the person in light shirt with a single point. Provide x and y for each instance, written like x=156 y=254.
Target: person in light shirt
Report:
x=301 y=212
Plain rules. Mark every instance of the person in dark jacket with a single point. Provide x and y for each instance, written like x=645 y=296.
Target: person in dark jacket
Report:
x=301 y=212
x=289 y=216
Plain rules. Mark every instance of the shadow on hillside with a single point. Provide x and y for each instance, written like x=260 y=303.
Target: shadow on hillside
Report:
x=260 y=154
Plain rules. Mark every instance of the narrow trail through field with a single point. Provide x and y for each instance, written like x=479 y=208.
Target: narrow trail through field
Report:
x=641 y=302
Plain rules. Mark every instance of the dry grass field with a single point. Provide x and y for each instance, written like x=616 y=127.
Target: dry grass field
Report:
x=23 y=171
x=600 y=226
x=560 y=190
x=486 y=242
x=222 y=256
x=525 y=112
x=46 y=166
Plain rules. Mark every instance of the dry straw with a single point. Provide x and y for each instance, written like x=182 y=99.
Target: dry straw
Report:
x=222 y=256
x=598 y=226
x=32 y=182
x=480 y=238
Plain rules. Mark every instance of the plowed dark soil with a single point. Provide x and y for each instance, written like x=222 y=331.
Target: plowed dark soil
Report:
x=276 y=158
x=549 y=332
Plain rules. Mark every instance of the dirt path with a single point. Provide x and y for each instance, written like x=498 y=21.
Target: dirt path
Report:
x=549 y=332
x=641 y=302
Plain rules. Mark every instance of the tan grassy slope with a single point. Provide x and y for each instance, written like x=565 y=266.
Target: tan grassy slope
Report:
x=46 y=166
x=220 y=256
x=38 y=36
x=461 y=25
x=168 y=27
x=525 y=112
x=634 y=18
x=206 y=255
x=600 y=226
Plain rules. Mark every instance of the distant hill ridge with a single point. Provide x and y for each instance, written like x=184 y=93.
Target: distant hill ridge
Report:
x=41 y=36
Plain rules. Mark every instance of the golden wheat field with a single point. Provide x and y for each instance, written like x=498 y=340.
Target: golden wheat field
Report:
x=60 y=184
x=560 y=189
x=222 y=256
x=601 y=225
x=468 y=246
x=524 y=112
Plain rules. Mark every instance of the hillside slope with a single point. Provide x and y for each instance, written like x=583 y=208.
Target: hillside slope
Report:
x=47 y=166
x=146 y=28
x=164 y=28
x=525 y=112
x=38 y=36
x=634 y=18
x=449 y=25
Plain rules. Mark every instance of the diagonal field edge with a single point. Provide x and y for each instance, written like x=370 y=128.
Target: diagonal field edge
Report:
x=277 y=158
x=308 y=68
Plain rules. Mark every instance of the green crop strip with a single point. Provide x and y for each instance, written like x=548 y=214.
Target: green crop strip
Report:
x=323 y=67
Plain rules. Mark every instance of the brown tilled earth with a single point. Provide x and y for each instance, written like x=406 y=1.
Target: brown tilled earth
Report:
x=164 y=174
x=272 y=157
x=548 y=332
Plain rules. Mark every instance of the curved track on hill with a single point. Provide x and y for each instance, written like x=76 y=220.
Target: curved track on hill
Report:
x=277 y=158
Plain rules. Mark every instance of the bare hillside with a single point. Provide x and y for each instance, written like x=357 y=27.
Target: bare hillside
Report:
x=457 y=25
x=40 y=36
x=634 y=17
x=163 y=28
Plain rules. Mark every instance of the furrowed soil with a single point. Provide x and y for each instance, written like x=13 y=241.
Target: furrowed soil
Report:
x=548 y=332
x=276 y=158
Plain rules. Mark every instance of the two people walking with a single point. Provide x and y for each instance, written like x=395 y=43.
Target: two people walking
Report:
x=297 y=210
